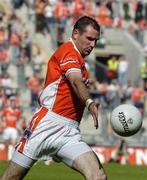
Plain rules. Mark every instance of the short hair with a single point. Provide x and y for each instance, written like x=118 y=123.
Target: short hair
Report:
x=84 y=21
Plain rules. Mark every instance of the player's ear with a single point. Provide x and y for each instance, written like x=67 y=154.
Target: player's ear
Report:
x=75 y=34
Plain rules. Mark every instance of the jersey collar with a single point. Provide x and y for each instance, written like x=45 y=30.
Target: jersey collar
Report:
x=71 y=40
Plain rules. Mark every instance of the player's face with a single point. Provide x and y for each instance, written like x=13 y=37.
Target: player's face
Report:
x=86 y=41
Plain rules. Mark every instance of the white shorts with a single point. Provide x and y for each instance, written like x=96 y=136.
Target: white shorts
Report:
x=10 y=133
x=51 y=135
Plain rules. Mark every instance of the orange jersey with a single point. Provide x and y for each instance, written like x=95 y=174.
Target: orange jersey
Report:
x=137 y=94
x=15 y=39
x=4 y=56
x=61 y=10
x=11 y=116
x=58 y=95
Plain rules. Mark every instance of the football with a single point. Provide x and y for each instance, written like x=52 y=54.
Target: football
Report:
x=126 y=120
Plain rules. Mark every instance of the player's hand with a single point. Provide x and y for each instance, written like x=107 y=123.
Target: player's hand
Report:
x=93 y=108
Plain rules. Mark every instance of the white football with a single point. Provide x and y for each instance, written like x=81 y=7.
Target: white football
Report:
x=126 y=120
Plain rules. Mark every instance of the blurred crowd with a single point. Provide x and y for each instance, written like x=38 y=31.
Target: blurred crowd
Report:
x=52 y=16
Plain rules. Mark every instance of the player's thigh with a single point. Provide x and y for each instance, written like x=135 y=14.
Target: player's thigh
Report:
x=14 y=172
x=89 y=165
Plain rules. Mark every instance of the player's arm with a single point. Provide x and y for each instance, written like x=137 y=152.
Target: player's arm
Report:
x=82 y=92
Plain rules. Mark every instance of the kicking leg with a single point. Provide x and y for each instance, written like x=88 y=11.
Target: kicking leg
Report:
x=89 y=165
x=80 y=157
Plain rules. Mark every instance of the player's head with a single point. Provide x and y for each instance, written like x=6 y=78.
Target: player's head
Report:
x=85 y=21
x=85 y=33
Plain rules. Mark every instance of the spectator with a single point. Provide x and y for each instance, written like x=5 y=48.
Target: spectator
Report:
x=112 y=95
x=78 y=8
x=10 y=116
x=21 y=62
x=103 y=90
x=3 y=37
x=31 y=9
x=49 y=16
x=139 y=11
x=109 y=5
x=62 y=13
x=125 y=92
x=17 y=25
x=10 y=23
x=38 y=62
x=2 y=98
x=103 y=15
x=126 y=10
x=122 y=70
x=15 y=40
x=1 y=127
x=27 y=45
x=6 y=81
x=139 y=20
x=34 y=84
x=51 y=25
x=112 y=65
x=4 y=59
x=40 y=19
x=120 y=153
x=143 y=72
x=90 y=8
x=138 y=98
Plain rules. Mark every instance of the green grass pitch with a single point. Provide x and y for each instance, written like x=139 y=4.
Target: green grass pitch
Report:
x=59 y=171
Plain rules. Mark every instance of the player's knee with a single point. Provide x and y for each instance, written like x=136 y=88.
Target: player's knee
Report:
x=103 y=177
x=96 y=176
